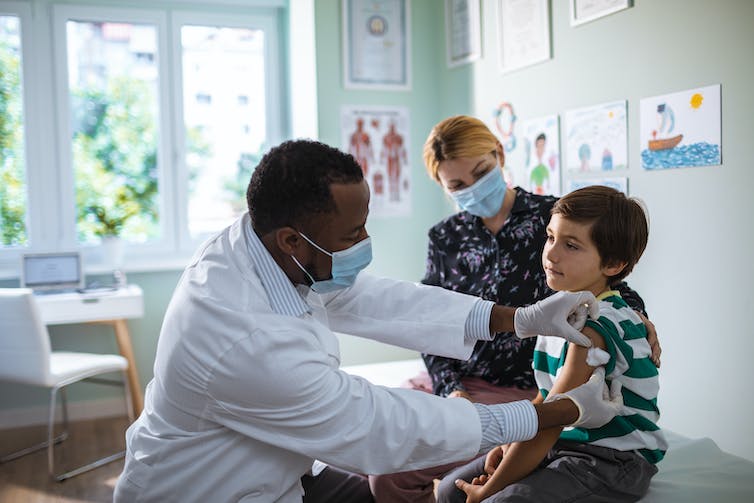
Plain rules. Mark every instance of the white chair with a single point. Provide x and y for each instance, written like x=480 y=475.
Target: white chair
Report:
x=25 y=357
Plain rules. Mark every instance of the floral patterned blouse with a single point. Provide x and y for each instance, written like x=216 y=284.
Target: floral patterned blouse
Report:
x=505 y=268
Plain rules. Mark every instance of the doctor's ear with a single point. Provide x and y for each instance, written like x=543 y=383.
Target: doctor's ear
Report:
x=287 y=240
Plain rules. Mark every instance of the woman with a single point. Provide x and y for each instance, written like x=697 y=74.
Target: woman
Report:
x=492 y=248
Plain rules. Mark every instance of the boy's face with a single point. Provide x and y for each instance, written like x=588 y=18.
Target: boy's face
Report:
x=570 y=258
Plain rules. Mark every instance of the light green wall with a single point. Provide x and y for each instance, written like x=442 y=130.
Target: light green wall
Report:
x=400 y=244
x=395 y=240
x=697 y=271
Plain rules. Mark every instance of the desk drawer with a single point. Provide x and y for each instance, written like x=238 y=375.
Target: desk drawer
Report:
x=81 y=308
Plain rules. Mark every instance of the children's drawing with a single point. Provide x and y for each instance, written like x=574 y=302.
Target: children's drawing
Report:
x=505 y=122
x=596 y=138
x=542 y=149
x=617 y=183
x=681 y=129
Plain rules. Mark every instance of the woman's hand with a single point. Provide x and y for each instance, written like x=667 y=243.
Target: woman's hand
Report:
x=654 y=342
x=459 y=393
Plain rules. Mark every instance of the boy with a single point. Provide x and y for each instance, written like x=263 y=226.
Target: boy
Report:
x=595 y=237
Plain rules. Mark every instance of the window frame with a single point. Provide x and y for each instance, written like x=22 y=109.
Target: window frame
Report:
x=267 y=21
x=165 y=180
x=22 y=11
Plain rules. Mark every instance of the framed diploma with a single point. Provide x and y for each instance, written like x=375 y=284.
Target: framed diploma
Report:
x=523 y=33
x=462 y=32
x=376 y=44
x=583 y=11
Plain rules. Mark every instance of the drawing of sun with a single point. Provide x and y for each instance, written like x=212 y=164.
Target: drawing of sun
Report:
x=611 y=114
x=696 y=100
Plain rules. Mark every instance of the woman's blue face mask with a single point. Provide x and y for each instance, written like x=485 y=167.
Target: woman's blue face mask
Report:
x=346 y=265
x=484 y=198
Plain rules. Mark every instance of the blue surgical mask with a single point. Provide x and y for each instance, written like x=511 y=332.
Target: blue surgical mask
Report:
x=346 y=265
x=484 y=198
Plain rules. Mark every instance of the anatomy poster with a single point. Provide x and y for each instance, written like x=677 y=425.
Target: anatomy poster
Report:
x=542 y=149
x=378 y=138
x=681 y=129
x=596 y=138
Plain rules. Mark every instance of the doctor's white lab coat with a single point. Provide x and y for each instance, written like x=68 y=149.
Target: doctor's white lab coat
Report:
x=247 y=391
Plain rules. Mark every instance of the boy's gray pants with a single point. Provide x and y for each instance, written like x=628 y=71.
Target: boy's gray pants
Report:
x=570 y=472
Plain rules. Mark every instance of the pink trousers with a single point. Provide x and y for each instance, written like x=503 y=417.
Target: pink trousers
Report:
x=418 y=486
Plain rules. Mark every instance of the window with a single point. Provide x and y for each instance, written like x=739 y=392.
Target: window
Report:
x=113 y=103
x=156 y=116
x=220 y=156
x=13 y=200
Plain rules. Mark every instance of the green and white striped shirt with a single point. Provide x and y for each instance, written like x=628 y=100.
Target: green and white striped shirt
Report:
x=635 y=429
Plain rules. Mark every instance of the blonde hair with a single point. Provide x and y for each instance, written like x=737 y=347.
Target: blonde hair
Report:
x=457 y=137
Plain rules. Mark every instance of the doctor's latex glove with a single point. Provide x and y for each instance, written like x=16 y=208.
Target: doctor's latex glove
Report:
x=596 y=405
x=561 y=315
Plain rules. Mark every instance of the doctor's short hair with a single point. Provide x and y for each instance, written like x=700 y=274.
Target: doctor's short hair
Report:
x=292 y=183
x=619 y=224
x=457 y=137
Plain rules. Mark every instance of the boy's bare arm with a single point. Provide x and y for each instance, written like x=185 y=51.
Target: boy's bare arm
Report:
x=523 y=457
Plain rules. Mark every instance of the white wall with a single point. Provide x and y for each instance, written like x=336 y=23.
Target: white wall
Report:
x=697 y=271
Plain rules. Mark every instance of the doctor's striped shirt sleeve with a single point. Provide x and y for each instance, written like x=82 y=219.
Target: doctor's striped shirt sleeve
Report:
x=477 y=326
x=507 y=422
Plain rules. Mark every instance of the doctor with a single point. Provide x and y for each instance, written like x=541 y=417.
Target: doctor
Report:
x=246 y=390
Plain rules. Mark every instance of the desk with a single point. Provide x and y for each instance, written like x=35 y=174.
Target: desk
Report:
x=108 y=308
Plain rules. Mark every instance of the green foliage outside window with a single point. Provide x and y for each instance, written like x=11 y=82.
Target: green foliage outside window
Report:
x=12 y=169
x=235 y=188
x=115 y=161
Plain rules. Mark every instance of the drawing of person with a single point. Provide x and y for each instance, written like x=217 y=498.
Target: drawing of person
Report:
x=539 y=175
x=607 y=160
x=393 y=152
x=360 y=146
x=585 y=153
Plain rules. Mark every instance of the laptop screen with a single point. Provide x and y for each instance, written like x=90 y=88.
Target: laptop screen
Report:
x=47 y=271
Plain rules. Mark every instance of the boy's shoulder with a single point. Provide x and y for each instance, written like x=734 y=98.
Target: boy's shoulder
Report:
x=617 y=315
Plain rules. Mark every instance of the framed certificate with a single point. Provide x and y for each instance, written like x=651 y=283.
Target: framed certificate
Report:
x=376 y=44
x=523 y=33
x=462 y=31
x=583 y=11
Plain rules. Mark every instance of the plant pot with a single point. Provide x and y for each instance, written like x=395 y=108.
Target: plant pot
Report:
x=112 y=251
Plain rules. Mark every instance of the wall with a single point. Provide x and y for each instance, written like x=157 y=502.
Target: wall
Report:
x=399 y=244
x=695 y=283
x=696 y=272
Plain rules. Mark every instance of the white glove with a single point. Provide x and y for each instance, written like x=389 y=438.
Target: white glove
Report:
x=561 y=315
x=596 y=406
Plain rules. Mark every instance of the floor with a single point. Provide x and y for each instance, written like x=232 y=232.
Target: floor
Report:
x=26 y=479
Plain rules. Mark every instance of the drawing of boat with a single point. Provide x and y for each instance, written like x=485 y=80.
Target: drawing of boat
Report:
x=665 y=143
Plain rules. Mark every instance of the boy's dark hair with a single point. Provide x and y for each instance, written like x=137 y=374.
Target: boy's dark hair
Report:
x=292 y=183
x=619 y=224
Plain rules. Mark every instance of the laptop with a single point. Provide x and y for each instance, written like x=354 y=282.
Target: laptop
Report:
x=52 y=272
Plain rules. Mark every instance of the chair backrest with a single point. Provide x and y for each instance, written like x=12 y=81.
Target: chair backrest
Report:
x=24 y=341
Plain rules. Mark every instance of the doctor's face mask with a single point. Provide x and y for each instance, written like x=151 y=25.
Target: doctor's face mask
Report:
x=346 y=265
